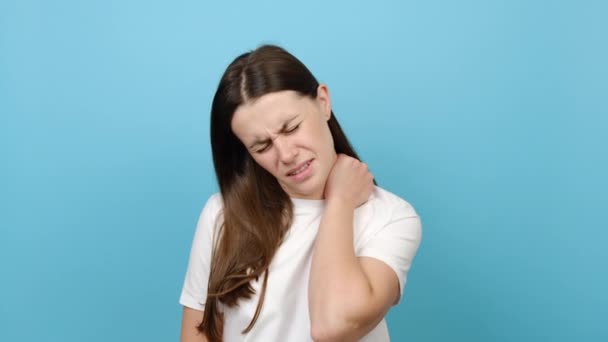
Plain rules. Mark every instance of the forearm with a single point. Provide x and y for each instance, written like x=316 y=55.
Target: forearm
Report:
x=338 y=288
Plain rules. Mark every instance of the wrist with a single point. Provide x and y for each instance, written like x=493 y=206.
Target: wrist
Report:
x=340 y=204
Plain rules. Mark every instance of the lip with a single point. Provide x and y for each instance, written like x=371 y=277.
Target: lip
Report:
x=288 y=174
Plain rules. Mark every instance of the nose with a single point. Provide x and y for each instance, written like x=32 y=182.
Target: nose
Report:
x=286 y=149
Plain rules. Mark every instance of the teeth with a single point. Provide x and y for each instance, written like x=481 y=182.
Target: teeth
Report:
x=300 y=169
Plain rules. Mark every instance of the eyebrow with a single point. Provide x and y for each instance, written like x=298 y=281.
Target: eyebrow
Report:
x=283 y=129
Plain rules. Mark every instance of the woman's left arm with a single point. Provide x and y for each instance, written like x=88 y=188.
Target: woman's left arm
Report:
x=348 y=296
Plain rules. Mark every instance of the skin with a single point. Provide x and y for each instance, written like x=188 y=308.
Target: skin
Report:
x=291 y=130
x=190 y=320
x=348 y=295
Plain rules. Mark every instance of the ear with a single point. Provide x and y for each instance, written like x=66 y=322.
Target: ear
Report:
x=324 y=100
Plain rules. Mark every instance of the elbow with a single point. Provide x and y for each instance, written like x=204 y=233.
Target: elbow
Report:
x=333 y=331
x=340 y=318
x=322 y=334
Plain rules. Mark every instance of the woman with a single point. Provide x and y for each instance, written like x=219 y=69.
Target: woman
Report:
x=300 y=244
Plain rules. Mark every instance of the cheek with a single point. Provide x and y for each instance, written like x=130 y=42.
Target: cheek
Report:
x=320 y=134
x=325 y=140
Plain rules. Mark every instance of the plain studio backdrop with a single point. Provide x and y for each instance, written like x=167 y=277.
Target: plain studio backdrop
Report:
x=490 y=117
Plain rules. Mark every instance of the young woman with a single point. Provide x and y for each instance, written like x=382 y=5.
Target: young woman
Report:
x=299 y=244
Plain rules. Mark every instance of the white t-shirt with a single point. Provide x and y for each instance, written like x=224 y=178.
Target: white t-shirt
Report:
x=386 y=228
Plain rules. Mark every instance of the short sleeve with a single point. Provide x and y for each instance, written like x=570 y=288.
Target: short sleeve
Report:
x=396 y=242
x=194 y=291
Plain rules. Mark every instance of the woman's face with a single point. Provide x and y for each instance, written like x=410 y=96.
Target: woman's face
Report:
x=287 y=134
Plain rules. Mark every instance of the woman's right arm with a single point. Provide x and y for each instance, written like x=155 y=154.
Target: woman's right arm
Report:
x=194 y=291
x=190 y=320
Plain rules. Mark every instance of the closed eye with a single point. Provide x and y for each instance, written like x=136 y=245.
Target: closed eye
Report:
x=263 y=149
x=293 y=129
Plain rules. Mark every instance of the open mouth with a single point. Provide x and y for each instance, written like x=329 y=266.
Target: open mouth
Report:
x=300 y=169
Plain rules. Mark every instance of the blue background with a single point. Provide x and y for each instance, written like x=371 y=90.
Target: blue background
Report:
x=490 y=117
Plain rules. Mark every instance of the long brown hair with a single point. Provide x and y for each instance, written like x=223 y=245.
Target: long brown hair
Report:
x=256 y=210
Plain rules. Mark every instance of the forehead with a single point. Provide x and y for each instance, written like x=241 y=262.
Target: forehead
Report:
x=268 y=112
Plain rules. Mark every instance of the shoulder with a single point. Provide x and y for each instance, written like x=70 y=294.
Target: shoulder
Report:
x=386 y=212
x=213 y=206
x=387 y=204
x=215 y=200
x=210 y=217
